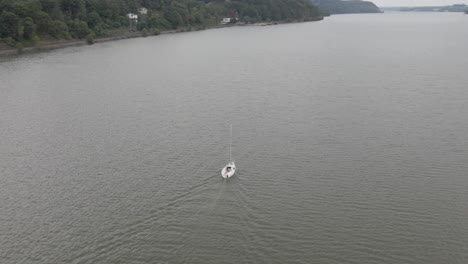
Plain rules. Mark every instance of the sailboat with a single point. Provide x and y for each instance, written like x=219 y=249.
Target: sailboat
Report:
x=229 y=170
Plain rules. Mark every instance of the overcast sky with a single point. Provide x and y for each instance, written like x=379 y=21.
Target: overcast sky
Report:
x=417 y=2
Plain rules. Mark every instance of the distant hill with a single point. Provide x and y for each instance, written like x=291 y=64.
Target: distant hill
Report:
x=346 y=7
x=450 y=8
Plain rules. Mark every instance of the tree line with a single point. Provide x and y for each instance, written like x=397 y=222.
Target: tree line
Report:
x=23 y=21
x=346 y=7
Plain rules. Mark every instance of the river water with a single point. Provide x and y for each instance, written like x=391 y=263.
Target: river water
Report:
x=350 y=136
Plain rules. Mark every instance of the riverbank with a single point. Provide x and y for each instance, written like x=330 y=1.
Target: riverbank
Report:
x=58 y=44
x=7 y=51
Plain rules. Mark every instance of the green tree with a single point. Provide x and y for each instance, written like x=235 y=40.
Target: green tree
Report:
x=29 y=28
x=7 y=5
x=173 y=17
x=144 y=32
x=27 y=8
x=157 y=21
x=43 y=21
x=48 y=6
x=94 y=19
x=73 y=8
x=9 y=23
x=58 y=29
x=90 y=39
x=78 y=29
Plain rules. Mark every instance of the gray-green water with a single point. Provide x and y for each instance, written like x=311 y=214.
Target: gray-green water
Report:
x=350 y=136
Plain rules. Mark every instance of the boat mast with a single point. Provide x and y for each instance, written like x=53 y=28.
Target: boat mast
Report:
x=230 y=146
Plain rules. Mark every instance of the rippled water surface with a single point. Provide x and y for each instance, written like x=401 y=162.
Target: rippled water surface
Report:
x=350 y=137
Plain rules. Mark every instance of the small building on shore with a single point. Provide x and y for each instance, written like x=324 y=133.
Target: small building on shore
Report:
x=226 y=21
x=133 y=17
x=143 y=10
x=232 y=17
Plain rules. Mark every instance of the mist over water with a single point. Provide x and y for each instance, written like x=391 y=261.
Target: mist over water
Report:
x=350 y=136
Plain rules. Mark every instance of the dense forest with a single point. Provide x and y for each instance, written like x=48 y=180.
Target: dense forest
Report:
x=346 y=7
x=29 y=21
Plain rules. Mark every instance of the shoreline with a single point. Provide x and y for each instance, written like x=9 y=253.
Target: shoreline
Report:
x=60 y=44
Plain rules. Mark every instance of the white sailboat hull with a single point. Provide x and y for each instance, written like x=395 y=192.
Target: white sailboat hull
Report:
x=228 y=171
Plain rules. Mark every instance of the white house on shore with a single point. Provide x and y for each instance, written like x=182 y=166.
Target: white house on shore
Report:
x=133 y=17
x=143 y=11
x=226 y=20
